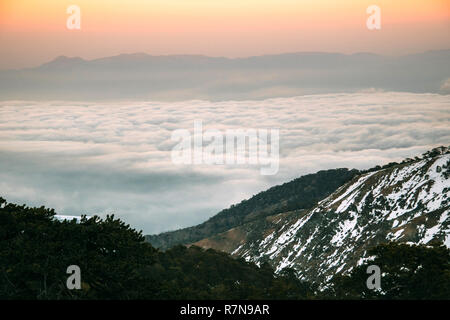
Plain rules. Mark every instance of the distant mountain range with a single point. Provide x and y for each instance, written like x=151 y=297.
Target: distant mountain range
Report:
x=184 y=77
x=404 y=202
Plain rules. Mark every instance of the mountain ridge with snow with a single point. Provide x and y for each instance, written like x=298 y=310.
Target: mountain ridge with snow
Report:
x=407 y=202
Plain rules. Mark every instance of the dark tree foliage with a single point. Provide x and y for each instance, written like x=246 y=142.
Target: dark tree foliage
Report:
x=116 y=263
x=408 y=272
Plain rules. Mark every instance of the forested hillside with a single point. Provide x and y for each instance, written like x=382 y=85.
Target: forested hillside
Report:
x=300 y=193
x=116 y=263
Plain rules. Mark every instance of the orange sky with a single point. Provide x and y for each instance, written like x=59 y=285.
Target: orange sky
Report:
x=34 y=31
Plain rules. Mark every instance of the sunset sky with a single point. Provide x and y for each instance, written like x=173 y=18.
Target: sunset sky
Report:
x=34 y=31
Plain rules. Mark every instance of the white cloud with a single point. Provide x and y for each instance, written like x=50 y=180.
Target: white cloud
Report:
x=116 y=157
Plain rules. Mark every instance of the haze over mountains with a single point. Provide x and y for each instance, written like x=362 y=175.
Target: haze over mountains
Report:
x=184 y=77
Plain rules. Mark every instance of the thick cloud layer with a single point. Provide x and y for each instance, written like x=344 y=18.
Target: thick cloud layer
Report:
x=99 y=158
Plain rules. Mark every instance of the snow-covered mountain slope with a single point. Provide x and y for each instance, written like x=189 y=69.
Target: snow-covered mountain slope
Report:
x=408 y=202
x=69 y=218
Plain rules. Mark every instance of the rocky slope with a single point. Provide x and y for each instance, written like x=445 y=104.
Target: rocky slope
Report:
x=407 y=202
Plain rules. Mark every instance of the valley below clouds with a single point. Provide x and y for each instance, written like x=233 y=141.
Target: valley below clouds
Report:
x=115 y=157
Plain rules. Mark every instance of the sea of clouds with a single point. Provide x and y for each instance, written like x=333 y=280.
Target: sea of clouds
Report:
x=100 y=158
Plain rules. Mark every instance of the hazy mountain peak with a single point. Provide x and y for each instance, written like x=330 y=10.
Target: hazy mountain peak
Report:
x=62 y=62
x=190 y=77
